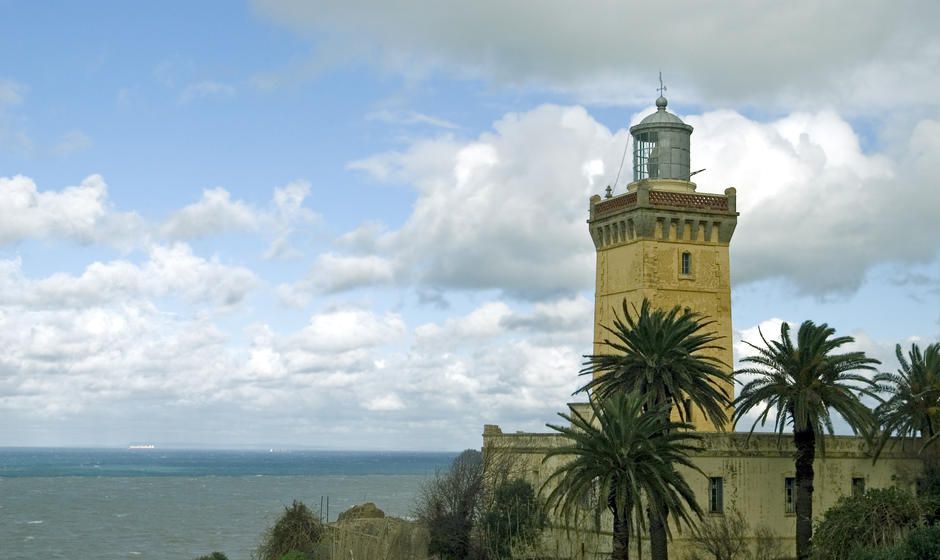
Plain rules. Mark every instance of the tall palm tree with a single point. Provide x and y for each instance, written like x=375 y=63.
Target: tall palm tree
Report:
x=913 y=408
x=662 y=355
x=629 y=451
x=800 y=384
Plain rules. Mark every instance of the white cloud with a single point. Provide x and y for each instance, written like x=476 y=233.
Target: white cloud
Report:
x=815 y=208
x=288 y=213
x=501 y=211
x=385 y=403
x=333 y=273
x=217 y=213
x=79 y=213
x=743 y=52
x=214 y=213
x=349 y=329
x=170 y=271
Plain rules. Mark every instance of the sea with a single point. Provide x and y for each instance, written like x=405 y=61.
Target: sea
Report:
x=110 y=504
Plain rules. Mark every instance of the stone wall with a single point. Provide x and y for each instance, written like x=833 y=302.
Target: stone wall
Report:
x=753 y=471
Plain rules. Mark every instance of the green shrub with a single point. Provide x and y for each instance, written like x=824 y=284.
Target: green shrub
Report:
x=515 y=518
x=877 y=521
x=297 y=531
x=924 y=542
x=294 y=555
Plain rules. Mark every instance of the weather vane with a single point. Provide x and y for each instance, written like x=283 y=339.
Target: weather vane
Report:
x=661 y=89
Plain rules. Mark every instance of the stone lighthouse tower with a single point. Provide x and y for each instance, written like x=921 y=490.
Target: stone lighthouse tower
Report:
x=663 y=241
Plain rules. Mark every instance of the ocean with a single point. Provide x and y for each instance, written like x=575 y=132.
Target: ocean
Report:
x=109 y=504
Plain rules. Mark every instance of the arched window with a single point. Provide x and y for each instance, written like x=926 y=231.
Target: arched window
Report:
x=686 y=265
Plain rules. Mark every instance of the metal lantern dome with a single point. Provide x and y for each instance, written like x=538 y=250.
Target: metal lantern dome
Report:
x=661 y=146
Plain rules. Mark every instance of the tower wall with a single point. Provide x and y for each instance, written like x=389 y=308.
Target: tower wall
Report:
x=641 y=237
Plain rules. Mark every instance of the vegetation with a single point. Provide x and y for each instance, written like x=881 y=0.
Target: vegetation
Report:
x=800 y=383
x=627 y=452
x=662 y=356
x=515 y=518
x=722 y=537
x=880 y=519
x=296 y=531
x=451 y=503
x=913 y=406
x=726 y=537
x=213 y=556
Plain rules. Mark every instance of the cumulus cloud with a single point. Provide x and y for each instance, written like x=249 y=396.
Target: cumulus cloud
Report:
x=815 y=207
x=214 y=213
x=504 y=211
x=79 y=213
x=333 y=273
x=349 y=329
x=170 y=271
x=722 y=52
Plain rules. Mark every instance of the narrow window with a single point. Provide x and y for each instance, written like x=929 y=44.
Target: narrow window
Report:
x=716 y=495
x=686 y=264
x=789 y=490
x=858 y=487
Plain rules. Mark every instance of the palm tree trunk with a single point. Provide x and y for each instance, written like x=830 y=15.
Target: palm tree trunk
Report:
x=621 y=548
x=621 y=543
x=658 y=549
x=805 y=441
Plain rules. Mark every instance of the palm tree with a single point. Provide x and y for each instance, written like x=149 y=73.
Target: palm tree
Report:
x=913 y=408
x=628 y=450
x=800 y=384
x=662 y=356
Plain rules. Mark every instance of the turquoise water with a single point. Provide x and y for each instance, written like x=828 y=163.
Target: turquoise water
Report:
x=158 y=504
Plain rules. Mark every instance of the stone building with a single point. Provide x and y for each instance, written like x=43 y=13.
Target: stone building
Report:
x=663 y=241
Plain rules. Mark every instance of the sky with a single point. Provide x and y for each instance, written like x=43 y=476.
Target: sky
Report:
x=361 y=225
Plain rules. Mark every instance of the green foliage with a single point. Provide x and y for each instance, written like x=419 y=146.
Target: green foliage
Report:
x=913 y=405
x=923 y=542
x=877 y=521
x=801 y=382
x=798 y=384
x=624 y=452
x=294 y=555
x=449 y=506
x=663 y=356
x=515 y=518
x=296 y=531
x=213 y=556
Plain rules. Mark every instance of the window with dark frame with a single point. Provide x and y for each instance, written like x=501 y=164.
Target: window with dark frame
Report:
x=789 y=492
x=716 y=495
x=858 y=487
x=686 y=264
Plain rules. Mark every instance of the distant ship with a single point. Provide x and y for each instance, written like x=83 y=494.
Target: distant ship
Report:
x=142 y=446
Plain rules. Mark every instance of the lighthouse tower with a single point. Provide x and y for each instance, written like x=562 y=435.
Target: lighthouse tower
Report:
x=662 y=240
